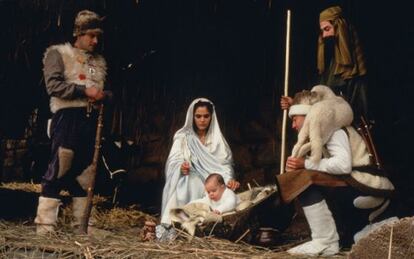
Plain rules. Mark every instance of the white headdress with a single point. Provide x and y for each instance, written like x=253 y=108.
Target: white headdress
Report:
x=215 y=140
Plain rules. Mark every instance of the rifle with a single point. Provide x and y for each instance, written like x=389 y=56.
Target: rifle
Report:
x=85 y=219
x=364 y=131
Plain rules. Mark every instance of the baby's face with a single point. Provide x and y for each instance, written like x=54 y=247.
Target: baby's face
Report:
x=214 y=190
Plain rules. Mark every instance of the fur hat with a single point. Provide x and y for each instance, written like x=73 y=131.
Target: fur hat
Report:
x=327 y=113
x=87 y=21
x=302 y=103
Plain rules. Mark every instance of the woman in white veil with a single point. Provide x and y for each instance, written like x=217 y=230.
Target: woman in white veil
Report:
x=198 y=150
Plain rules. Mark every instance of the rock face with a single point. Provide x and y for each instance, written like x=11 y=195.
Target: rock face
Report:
x=376 y=245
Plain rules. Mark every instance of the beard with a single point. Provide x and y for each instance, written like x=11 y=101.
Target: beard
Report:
x=329 y=49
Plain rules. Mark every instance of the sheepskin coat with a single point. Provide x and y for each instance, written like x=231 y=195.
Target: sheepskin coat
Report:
x=80 y=68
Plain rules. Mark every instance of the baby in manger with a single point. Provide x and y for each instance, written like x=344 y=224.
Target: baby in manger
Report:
x=218 y=197
x=218 y=200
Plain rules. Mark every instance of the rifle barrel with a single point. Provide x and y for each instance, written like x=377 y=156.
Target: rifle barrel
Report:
x=98 y=138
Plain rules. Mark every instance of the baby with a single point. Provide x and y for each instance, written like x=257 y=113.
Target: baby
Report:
x=220 y=198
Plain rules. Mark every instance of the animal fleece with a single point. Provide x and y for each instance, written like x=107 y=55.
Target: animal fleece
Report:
x=328 y=114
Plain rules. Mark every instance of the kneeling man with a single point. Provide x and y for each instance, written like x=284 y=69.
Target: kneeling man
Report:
x=330 y=155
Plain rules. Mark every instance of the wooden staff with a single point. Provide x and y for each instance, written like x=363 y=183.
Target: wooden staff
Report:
x=285 y=93
x=86 y=215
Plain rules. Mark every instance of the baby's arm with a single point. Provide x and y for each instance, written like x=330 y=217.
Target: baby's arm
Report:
x=228 y=202
x=217 y=212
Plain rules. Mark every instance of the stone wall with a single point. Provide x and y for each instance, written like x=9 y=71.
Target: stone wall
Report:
x=13 y=159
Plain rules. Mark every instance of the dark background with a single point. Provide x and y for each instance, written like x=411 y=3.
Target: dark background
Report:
x=164 y=53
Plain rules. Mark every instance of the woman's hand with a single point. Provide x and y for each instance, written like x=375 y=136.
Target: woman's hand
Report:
x=185 y=168
x=233 y=184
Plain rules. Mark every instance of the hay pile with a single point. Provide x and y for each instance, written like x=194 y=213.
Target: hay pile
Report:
x=20 y=241
x=395 y=240
x=121 y=237
x=27 y=187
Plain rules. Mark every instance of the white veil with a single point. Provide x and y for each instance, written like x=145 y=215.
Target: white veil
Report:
x=213 y=157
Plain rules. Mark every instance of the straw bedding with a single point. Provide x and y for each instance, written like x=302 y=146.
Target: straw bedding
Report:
x=120 y=236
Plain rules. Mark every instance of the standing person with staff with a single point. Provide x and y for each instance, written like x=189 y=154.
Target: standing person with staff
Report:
x=340 y=61
x=75 y=77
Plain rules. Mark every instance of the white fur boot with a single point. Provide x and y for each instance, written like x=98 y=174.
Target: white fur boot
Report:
x=47 y=214
x=323 y=230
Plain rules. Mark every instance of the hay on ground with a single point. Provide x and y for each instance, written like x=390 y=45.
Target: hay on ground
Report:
x=378 y=245
x=122 y=239
x=20 y=241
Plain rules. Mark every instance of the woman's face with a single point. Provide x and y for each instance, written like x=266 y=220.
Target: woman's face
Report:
x=202 y=118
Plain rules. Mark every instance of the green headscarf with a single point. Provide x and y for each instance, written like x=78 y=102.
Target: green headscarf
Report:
x=349 y=59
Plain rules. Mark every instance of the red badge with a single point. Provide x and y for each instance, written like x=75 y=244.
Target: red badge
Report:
x=82 y=77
